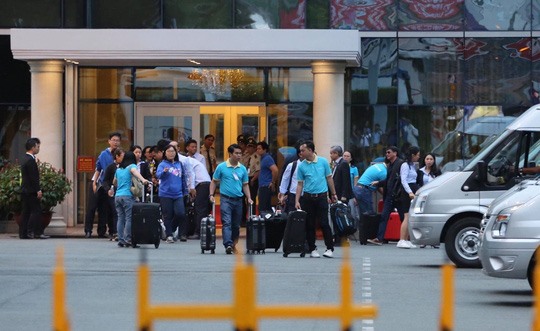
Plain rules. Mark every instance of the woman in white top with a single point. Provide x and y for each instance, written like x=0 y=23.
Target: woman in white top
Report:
x=429 y=171
x=408 y=176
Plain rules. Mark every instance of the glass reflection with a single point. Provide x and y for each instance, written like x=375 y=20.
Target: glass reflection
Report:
x=124 y=14
x=498 y=15
x=105 y=83
x=376 y=80
x=363 y=15
x=429 y=70
x=197 y=14
x=497 y=71
x=429 y=15
x=256 y=14
x=290 y=85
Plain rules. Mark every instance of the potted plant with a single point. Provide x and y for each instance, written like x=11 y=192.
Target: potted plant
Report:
x=54 y=185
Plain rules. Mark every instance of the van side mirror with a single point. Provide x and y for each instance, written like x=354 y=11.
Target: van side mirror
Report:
x=481 y=171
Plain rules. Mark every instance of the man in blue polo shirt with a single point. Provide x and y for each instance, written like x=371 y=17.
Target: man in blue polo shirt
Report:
x=314 y=179
x=267 y=177
x=232 y=178
x=367 y=184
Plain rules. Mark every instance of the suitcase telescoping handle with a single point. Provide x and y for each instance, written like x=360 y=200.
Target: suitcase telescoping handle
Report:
x=150 y=186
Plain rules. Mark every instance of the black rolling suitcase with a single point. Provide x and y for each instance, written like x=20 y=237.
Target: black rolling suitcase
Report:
x=368 y=227
x=208 y=232
x=255 y=234
x=294 y=239
x=342 y=219
x=145 y=223
x=275 y=228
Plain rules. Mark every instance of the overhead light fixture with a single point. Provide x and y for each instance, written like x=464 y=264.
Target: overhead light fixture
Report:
x=524 y=49
x=194 y=62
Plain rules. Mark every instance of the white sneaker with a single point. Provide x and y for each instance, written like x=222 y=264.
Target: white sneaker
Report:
x=403 y=244
x=328 y=253
x=314 y=253
x=411 y=245
x=170 y=240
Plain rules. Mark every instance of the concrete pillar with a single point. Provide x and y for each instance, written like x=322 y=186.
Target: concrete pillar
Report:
x=47 y=122
x=48 y=109
x=328 y=105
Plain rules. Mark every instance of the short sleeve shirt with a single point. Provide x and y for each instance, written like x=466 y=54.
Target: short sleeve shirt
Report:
x=123 y=180
x=231 y=179
x=314 y=174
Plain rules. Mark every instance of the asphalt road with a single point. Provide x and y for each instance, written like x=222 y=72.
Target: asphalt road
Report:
x=101 y=286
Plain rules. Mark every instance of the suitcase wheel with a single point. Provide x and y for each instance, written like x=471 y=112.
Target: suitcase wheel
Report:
x=285 y=254
x=156 y=245
x=302 y=254
x=202 y=251
x=276 y=250
x=213 y=252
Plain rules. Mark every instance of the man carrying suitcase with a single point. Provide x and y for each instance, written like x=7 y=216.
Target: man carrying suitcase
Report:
x=233 y=180
x=314 y=179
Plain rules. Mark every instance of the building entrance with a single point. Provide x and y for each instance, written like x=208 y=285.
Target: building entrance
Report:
x=183 y=121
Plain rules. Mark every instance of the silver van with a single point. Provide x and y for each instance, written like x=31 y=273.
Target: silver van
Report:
x=449 y=209
x=510 y=233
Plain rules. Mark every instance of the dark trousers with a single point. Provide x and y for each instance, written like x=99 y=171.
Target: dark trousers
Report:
x=289 y=204
x=91 y=206
x=253 y=188
x=202 y=205
x=317 y=209
x=265 y=198
x=31 y=216
x=173 y=212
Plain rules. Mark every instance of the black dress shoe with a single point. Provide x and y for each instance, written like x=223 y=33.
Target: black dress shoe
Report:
x=42 y=236
x=88 y=235
x=30 y=236
x=103 y=236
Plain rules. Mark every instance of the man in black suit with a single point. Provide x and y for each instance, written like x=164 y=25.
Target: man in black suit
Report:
x=31 y=193
x=341 y=175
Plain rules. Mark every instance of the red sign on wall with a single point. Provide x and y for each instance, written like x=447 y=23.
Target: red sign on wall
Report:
x=86 y=164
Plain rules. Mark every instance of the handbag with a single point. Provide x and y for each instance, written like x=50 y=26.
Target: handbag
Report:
x=137 y=187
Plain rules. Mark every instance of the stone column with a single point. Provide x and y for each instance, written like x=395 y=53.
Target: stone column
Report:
x=328 y=105
x=47 y=121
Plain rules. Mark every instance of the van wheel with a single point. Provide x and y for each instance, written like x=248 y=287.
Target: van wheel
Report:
x=530 y=271
x=462 y=242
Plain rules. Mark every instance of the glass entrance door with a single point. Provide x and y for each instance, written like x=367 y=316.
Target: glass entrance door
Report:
x=180 y=122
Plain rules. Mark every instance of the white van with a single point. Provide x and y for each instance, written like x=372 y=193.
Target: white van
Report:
x=449 y=209
x=510 y=233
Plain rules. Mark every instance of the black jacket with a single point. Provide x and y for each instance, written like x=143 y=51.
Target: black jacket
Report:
x=392 y=175
x=30 y=175
x=342 y=180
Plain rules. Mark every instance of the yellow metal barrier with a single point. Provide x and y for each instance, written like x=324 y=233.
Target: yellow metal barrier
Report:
x=447 y=298
x=244 y=310
x=60 y=319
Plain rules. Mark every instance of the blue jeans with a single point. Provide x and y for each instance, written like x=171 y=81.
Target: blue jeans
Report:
x=174 y=215
x=231 y=215
x=124 y=206
x=364 y=196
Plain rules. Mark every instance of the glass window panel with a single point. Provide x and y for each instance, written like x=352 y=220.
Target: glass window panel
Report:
x=536 y=15
x=256 y=14
x=290 y=85
x=498 y=15
x=363 y=15
x=292 y=14
x=105 y=83
x=14 y=131
x=214 y=124
x=31 y=14
x=496 y=71
x=201 y=14
x=375 y=81
x=372 y=128
x=429 y=15
x=318 y=14
x=126 y=14
x=74 y=13
x=534 y=92
x=429 y=70
x=197 y=84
